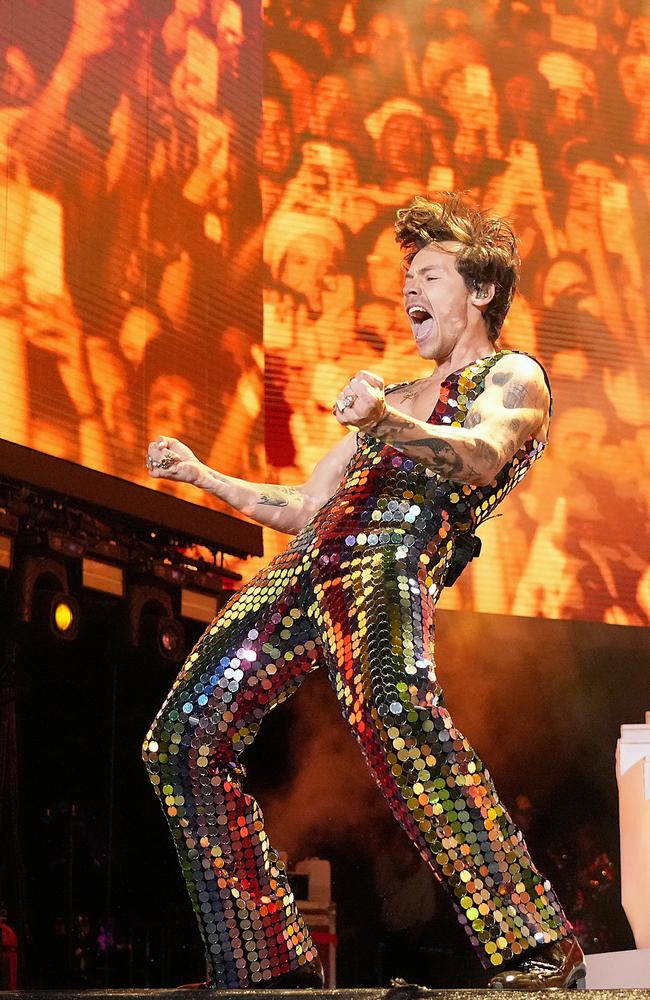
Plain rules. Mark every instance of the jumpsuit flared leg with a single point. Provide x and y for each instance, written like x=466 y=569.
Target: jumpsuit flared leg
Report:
x=253 y=656
x=376 y=619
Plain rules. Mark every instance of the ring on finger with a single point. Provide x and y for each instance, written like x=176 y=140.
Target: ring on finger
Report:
x=347 y=401
x=168 y=460
x=151 y=463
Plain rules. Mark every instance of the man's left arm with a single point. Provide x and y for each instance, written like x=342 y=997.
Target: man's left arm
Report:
x=513 y=405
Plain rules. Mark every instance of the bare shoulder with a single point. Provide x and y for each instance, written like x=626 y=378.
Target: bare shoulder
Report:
x=522 y=381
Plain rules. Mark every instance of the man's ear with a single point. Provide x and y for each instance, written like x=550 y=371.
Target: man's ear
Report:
x=483 y=293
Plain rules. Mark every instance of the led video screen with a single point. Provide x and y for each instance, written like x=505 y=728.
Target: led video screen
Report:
x=130 y=266
x=539 y=111
x=133 y=164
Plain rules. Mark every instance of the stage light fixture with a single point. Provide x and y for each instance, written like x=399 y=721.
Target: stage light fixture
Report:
x=57 y=611
x=35 y=576
x=151 y=624
x=64 y=620
x=161 y=634
x=170 y=639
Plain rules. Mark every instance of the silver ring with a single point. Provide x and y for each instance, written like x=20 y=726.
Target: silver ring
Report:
x=346 y=402
x=168 y=460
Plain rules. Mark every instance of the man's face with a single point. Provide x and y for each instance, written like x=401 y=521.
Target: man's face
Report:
x=275 y=147
x=331 y=92
x=172 y=410
x=385 y=32
x=434 y=64
x=308 y=268
x=401 y=146
x=230 y=34
x=138 y=328
x=383 y=275
x=437 y=300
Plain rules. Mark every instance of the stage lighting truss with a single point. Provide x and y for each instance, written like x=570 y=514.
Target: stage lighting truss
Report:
x=50 y=546
x=203 y=591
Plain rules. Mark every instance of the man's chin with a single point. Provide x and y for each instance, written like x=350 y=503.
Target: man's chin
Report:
x=426 y=348
x=424 y=336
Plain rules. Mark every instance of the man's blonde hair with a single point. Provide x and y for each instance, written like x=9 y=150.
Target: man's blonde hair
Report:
x=488 y=252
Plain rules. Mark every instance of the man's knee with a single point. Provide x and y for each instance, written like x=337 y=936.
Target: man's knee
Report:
x=184 y=735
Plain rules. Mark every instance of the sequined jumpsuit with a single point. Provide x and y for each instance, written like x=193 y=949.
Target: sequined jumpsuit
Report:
x=356 y=592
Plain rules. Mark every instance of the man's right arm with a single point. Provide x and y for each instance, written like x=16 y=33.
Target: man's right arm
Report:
x=285 y=508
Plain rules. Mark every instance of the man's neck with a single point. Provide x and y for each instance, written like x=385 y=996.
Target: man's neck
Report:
x=461 y=356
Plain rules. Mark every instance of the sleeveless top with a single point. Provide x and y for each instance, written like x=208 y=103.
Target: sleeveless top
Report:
x=389 y=500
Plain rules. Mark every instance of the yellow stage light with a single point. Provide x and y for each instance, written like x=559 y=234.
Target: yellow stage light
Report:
x=63 y=615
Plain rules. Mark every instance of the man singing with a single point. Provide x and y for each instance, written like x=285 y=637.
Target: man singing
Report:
x=386 y=520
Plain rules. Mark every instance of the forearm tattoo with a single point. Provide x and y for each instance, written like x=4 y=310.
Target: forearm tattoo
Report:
x=440 y=456
x=278 y=496
x=466 y=460
x=443 y=457
x=471 y=458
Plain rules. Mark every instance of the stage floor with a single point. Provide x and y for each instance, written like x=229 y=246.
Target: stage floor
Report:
x=339 y=994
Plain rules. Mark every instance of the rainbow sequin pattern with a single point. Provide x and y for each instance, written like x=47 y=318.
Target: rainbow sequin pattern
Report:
x=355 y=592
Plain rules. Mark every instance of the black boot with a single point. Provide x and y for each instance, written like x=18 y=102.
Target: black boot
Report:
x=557 y=966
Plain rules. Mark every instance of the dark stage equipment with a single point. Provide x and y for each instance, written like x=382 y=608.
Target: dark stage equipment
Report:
x=151 y=623
x=40 y=597
x=62 y=559
x=124 y=505
x=98 y=608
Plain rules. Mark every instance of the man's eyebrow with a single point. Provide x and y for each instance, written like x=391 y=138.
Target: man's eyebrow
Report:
x=423 y=270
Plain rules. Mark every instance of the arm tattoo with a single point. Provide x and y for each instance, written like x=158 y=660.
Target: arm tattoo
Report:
x=472 y=473
x=486 y=452
x=500 y=378
x=439 y=455
x=392 y=426
x=445 y=460
x=472 y=419
x=278 y=496
x=515 y=395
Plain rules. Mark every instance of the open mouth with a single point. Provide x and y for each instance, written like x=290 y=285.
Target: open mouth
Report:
x=422 y=322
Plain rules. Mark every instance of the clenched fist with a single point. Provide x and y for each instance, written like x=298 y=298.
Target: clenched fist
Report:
x=169 y=458
x=361 y=403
